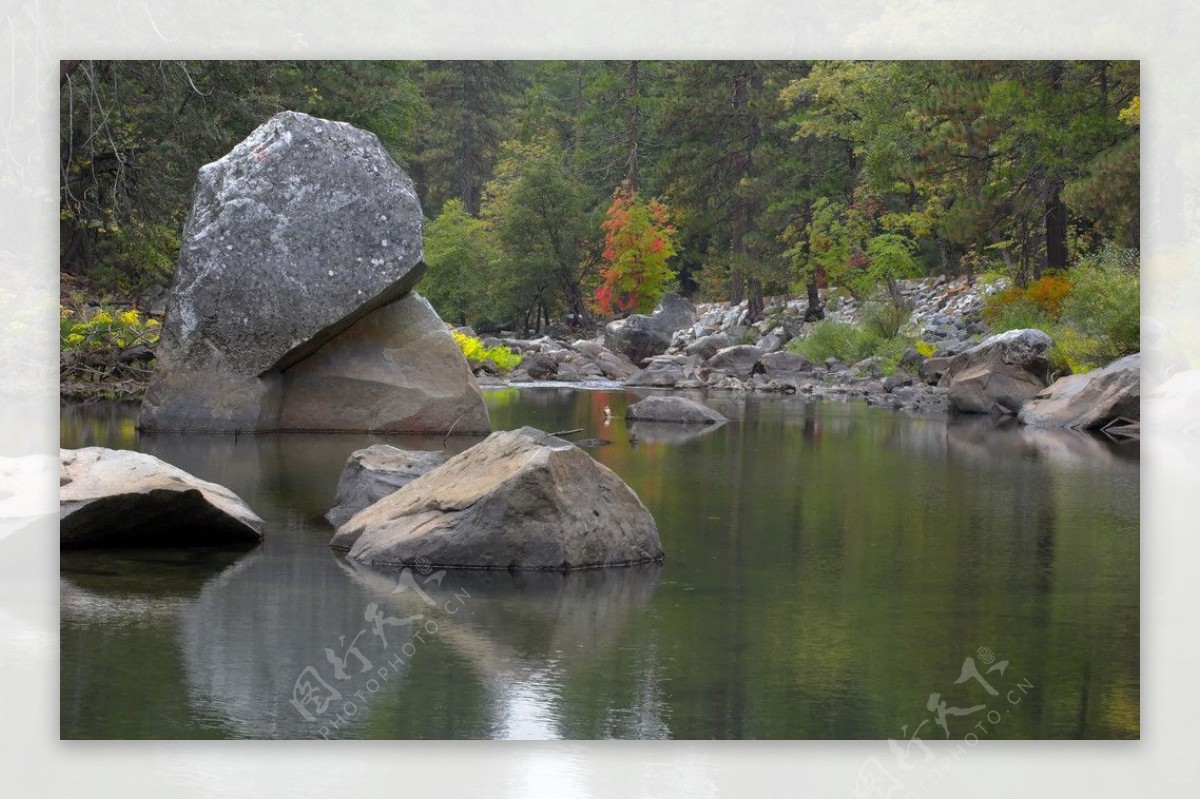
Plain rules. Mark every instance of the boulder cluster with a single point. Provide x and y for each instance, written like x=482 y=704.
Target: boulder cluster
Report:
x=294 y=291
x=715 y=347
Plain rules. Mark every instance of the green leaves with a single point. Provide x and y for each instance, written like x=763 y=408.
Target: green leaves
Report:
x=462 y=254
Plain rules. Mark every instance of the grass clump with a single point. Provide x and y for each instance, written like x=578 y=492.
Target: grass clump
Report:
x=841 y=340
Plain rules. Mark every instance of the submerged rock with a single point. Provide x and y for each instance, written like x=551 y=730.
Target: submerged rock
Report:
x=303 y=230
x=374 y=472
x=1091 y=400
x=998 y=375
x=520 y=499
x=121 y=498
x=681 y=410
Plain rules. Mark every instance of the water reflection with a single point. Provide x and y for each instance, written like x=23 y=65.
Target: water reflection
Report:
x=668 y=433
x=524 y=633
x=828 y=566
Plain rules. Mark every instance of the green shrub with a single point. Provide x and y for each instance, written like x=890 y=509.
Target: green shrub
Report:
x=1018 y=312
x=890 y=351
x=885 y=319
x=132 y=259
x=840 y=340
x=1104 y=306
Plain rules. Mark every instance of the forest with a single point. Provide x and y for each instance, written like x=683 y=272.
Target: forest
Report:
x=573 y=191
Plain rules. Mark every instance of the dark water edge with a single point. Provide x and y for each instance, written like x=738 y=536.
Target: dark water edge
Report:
x=829 y=567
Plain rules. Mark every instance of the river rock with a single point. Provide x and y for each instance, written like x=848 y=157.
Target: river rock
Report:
x=540 y=366
x=121 y=498
x=520 y=499
x=932 y=369
x=640 y=336
x=397 y=370
x=681 y=410
x=301 y=231
x=771 y=343
x=1091 y=400
x=707 y=346
x=737 y=361
x=374 y=472
x=898 y=380
x=784 y=363
x=998 y=375
x=659 y=374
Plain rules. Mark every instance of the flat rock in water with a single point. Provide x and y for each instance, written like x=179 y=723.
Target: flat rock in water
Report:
x=121 y=498
x=520 y=499
x=374 y=472
x=1089 y=401
x=679 y=410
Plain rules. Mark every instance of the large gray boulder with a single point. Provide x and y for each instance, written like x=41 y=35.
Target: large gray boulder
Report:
x=1091 y=400
x=998 y=375
x=641 y=336
x=520 y=499
x=673 y=409
x=121 y=498
x=373 y=473
x=304 y=229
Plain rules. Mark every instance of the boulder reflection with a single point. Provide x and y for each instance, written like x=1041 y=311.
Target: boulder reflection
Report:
x=523 y=633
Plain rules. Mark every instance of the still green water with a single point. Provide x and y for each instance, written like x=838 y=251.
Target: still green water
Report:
x=829 y=567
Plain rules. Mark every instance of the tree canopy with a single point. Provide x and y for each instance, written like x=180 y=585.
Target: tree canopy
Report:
x=776 y=176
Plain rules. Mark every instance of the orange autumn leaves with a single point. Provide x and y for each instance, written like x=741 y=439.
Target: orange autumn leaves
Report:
x=638 y=244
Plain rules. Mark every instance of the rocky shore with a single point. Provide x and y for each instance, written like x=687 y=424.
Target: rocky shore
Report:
x=715 y=347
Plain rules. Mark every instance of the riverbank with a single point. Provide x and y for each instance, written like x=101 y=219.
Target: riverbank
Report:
x=715 y=347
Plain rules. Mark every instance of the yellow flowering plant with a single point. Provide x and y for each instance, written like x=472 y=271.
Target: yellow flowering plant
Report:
x=106 y=329
x=477 y=353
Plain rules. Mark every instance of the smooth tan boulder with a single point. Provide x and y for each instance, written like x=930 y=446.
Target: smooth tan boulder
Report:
x=398 y=370
x=121 y=498
x=518 y=500
x=1091 y=400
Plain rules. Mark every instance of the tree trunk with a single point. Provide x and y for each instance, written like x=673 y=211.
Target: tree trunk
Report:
x=468 y=191
x=815 y=310
x=1056 y=230
x=632 y=127
x=745 y=84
